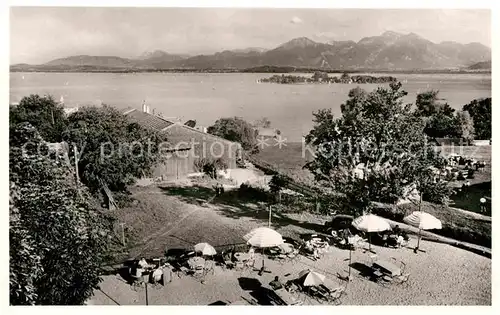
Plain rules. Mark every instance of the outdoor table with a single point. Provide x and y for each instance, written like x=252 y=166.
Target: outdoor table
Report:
x=377 y=273
x=242 y=256
x=388 y=267
x=287 y=298
x=196 y=261
x=286 y=248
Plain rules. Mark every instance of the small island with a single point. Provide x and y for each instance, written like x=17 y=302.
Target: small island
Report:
x=322 y=77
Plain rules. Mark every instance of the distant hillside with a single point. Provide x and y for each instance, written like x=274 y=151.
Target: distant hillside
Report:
x=484 y=65
x=389 y=51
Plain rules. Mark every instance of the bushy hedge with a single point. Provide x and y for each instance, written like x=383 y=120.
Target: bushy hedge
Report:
x=247 y=191
x=455 y=225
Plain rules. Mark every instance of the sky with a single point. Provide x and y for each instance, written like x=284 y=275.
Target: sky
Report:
x=38 y=35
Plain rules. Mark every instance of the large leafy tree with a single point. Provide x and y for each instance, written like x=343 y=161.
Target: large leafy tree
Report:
x=440 y=125
x=277 y=183
x=464 y=125
x=111 y=148
x=264 y=122
x=42 y=112
x=58 y=234
x=480 y=111
x=439 y=117
x=235 y=129
x=374 y=151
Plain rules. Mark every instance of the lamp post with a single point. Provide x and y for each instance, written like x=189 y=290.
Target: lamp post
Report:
x=269 y=225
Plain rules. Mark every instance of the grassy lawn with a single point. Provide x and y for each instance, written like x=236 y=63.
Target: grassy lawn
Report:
x=456 y=225
x=292 y=157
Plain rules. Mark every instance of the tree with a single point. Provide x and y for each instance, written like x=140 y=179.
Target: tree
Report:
x=210 y=166
x=320 y=76
x=111 y=148
x=440 y=125
x=480 y=111
x=439 y=117
x=190 y=123
x=235 y=129
x=264 y=122
x=464 y=125
x=372 y=152
x=58 y=235
x=44 y=113
x=276 y=185
x=345 y=77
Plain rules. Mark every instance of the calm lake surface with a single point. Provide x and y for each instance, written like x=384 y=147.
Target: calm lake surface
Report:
x=206 y=97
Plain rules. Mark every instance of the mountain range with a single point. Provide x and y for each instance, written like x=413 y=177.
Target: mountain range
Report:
x=389 y=51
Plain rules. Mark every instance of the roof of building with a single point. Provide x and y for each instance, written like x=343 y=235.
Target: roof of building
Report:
x=267 y=132
x=70 y=110
x=162 y=124
x=147 y=120
x=199 y=131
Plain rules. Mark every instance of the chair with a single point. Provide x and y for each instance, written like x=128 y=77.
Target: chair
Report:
x=137 y=279
x=403 y=279
x=228 y=264
x=239 y=265
x=184 y=271
x=281 y=258
x=250 y=262
x=332 y=295
x=317 y=294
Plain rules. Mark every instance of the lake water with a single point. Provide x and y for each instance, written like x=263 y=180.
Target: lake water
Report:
x=206 y=97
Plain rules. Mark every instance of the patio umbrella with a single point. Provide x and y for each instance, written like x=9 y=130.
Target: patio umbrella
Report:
x=371 y=223
x=311 y=278
x=424 y=221
x=205 y=249
x=263 y=237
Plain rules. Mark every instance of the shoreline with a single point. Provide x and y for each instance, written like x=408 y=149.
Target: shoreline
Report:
x=245 y=71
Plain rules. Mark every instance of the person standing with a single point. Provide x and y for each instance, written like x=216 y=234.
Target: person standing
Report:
x=482 y=205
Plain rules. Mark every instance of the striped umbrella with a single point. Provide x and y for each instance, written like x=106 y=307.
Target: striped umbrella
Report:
x=205 y=249
x=371 y=223
x=424 y=221
x=311 y=278
x=263 y=237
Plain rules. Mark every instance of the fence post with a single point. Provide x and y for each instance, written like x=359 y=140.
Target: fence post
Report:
x=123 y=234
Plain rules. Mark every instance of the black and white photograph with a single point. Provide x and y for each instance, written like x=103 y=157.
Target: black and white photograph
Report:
x=248 y=156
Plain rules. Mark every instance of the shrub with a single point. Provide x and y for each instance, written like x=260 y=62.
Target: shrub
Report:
x=438 y=193
x=254 y=193
x=210 y=166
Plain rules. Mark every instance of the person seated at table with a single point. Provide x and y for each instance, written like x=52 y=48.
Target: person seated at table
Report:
x=400 y=241
x=309 y=248
x=405 y=236
x=276 y=283
x=231 y=253
x=316 y=253
x=396 y=230
x=136 y=273
x=143 y=263
x=251 y=252
x=157 y=275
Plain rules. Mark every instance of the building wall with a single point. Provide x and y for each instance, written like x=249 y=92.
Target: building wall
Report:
x=204 y=145
x=176 y=165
